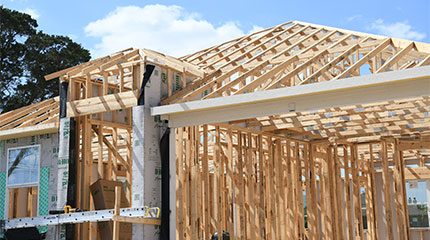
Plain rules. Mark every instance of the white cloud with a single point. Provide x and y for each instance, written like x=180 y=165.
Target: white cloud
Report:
x=355 y=18
x=73 y=37
x=32 y=12
x=398 y=30
x=168 y=29
x=255 y=28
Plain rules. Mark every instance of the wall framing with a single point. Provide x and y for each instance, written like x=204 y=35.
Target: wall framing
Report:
x=251 y=183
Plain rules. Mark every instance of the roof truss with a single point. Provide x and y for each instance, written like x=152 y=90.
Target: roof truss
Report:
x=296 y=53
x=32 y=115
x=393 y=118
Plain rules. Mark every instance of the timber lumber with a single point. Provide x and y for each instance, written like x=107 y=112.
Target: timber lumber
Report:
x=100 y=104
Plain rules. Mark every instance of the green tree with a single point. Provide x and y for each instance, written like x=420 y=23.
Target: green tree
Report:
x=14 y=26
x=27 y=55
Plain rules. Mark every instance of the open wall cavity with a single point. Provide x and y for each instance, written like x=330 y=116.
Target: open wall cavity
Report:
x=257 y=185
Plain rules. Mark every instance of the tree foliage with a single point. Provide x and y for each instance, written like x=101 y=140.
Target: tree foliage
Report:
x=27 y=55
x=13 y=26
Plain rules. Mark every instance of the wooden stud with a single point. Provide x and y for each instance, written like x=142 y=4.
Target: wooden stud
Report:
x=387 y=191
x=348 y=193
x=169 y=82
x=100 y=169
x=117 y=212
x=356 y=192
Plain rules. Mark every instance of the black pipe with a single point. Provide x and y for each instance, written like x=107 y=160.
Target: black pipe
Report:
x=148 y=71
x=71 y=184
x=165 y=185
x=63 y=99
x=71 y=189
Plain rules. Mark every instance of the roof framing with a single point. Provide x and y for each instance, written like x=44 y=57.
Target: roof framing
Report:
x=31 y=115
x=38 y=118
x=391 y=103
x=289 y=54
x=125 y=60
x=296 y=53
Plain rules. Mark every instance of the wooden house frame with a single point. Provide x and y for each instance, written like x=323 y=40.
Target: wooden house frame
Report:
x=259 y=121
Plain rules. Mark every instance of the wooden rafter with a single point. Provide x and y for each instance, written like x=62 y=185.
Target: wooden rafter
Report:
x=32 y=115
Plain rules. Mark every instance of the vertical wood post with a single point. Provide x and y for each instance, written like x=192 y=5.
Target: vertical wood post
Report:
x=387 y=191
x=116 y=213
x=400 y=193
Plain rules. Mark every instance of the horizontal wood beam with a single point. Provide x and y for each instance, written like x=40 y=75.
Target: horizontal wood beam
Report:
x=107 y=103
x=136 y=220
x=110 y=124
x=413 y=145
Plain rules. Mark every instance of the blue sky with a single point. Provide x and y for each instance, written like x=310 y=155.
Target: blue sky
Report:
x=180 y=27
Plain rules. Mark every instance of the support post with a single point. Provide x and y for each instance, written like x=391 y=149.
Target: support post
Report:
x=172 y=183
x=400 y=193
x=116 y=213
x=387 y=191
